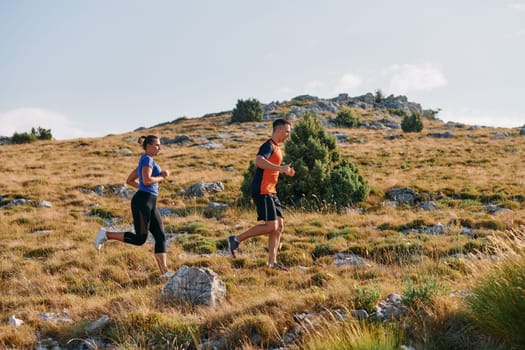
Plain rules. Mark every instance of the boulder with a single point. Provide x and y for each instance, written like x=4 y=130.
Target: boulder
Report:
x=200 y=189
x=196 y=286
x=391 y=308
x=403 y=196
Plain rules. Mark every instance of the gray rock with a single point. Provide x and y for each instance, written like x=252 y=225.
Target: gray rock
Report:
x=200 y=189
x=44 y=204
x=467 y=231
x=393 y=137
x=500 y=134
x=341 y=137
x=165 y=211
x=16 y=202
x=123 y=152
x=217 y=206
x=124 y=192
x=403 y=195
x=428 y=205
x=197 y=286
x=99 y=190
x=182 y=140
x=360 y=314
x=211 y=145
x=391 y=308
x=444 y=135
x=15 y=322
x=494 y=209
x=42 y=232
x=97 y=325
x=345 y=259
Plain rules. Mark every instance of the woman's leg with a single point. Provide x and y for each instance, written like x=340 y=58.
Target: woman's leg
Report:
x=157 y=230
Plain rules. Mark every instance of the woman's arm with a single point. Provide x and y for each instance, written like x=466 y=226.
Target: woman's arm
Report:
x=149 y=180
x=133 y=179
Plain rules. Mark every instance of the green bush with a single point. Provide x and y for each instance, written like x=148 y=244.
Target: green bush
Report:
x=41 y=133
x=247 y=111
x=424 y=292
x=22 y=138
x=366 y=298
x=497 y=301
x=323 y=249
x=36 y=134
x=379 y=96
x=246 y=197
x=322 y=180
x=345 y=118
x=412 y=123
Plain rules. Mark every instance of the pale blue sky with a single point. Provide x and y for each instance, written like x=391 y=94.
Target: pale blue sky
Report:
x=91 y=68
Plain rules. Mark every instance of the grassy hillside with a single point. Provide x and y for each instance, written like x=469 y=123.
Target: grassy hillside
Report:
x=48 y=263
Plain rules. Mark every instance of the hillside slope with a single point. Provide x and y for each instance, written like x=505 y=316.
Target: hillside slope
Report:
x=53 y=204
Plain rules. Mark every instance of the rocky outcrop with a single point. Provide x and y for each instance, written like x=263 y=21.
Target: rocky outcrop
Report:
x=302 y=104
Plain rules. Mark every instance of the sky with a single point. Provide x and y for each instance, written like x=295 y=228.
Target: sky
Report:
x=89 y=68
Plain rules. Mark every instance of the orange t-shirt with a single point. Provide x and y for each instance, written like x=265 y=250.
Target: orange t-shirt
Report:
x=265 y=181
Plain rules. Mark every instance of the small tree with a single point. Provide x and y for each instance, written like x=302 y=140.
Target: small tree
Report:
x=36 y=134
x=23 y=137
x=412 y=123
x=321 y=178
x=246 y=184
x=247 y=111
x=41 y=133
x=345 y=118
x=379 y=96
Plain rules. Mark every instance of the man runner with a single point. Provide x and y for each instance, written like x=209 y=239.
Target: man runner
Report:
x=264 y=193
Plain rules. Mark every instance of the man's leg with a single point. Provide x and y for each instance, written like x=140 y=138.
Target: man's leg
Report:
x=267 y=228
x=274 y=239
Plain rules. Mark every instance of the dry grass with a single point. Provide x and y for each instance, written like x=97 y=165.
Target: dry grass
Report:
x=48 y=264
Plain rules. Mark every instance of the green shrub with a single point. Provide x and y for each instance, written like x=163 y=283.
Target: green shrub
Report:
x=412 y=123
x=366 y=298
x=322 y=180
x=198 y=244
x=22 y=138
x=321 y=278
x=247 y=111
x=497 y=301
x=323 y=249
x=345 y=118
x=103 y=213
x=41 y=133
x=36 y=134
x=424 y=292
x=379 y=96
x=246 y=198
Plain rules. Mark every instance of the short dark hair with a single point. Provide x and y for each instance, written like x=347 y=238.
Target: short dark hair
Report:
x=146 y=140
x=279 y=122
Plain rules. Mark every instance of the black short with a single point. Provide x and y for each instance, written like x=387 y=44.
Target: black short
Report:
x=269 y=208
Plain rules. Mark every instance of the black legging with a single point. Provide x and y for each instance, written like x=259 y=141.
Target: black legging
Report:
x=146 y=216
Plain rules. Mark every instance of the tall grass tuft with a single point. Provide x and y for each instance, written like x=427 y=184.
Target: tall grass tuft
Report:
x=497 y=302
x=354 y=335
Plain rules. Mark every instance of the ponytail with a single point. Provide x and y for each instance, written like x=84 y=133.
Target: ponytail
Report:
x=146 y=140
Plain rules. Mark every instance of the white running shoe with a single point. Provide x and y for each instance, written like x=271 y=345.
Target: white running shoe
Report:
x=168 y=274
x=101 y=239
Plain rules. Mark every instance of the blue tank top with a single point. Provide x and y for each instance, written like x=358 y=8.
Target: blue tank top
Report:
x=148 y=161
